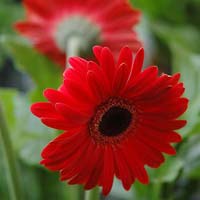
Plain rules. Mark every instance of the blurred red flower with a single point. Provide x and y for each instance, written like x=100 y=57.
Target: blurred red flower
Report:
x=50 y=25
x=116 y=117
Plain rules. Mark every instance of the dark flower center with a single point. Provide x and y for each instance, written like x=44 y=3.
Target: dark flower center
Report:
x=115 y=121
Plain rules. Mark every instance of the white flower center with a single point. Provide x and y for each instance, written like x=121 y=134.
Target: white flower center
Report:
x=78 y=27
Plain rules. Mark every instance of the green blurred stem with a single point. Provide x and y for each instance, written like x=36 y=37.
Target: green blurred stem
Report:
x=73 y=48
x=155 y=191
x=11 y=169
x=92 y=194
x=75 y=192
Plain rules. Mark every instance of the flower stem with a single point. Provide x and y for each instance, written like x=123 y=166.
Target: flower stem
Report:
x=73 y=48
x=75 y=192
x=92 y=194
x=11 y=169
x=155 y=191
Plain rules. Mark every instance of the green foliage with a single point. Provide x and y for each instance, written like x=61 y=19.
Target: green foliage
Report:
x=41 y=69
x=43 y=72
x=29 y=136
x=15 y=12
x=29 y=173
x=167 y=10
x=9 y=13
x=167 y=172
x=190 y=153
x=146 y=192
x=3 y=183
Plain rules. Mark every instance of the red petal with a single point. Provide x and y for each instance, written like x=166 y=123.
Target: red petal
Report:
x=97 y=52
x=58 y=154
x=161 y=94
x=55 y=96
x=108 y=171
x=173 y=137
x=97 y=170
x=96 y=87
x=126 y=57
x=107 y=63
x=148 y=76
x=30 y=29
x=63 y=142
x=72 y=114
x=97 y=82
x=123 y=170
x=38 y=7
x=167 y=110
x=73 y=165
x=44 y=109
x=138 y=62
x=79 y=65
x=71 y=73
x=174 y=79
x=80 y=90
x=152 y=90
x=149 y=156
x=135 y=163
x=120 y=79
x=60 y=124
x=164 y=125
x=163 y=136
x=156 y=143
x=87 y=165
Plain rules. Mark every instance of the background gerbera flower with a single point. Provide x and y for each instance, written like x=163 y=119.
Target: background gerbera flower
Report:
x=116 y=119
x=50 y=25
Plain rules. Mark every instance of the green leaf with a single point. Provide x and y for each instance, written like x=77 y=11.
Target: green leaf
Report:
x=167 y=172
x=30 y=180
x=190 y=153
x=146 y=192
x=30 y=152
x=9 y=13
x=160 y=9
x=28 y=134
x=43 y=72
x=53 y=188
x=4 y=192
x=186 y=36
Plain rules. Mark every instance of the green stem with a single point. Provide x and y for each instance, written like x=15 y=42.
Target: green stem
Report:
x=11 y=169
x=73 y=48
x=81 y=193
x=155 y=191
x=92 y=194
x=75 y=192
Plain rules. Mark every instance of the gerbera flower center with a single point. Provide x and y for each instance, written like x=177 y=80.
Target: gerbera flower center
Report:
x=115 y=121
x=78 y=27
x=112 y=121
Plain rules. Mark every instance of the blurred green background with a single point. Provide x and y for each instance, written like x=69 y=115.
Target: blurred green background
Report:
x=170 y=31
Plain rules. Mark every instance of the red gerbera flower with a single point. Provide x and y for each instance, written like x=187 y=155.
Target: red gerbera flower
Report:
x=50 y=25
x=116 y=119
